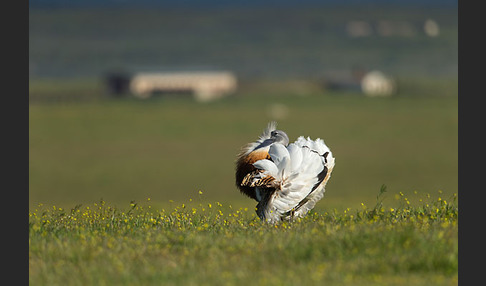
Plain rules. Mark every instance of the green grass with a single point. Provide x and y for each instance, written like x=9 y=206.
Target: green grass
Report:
x=214 y=244
x=170 y=148
x=89 y=157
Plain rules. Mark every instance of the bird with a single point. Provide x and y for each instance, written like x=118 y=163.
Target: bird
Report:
x=286 y=179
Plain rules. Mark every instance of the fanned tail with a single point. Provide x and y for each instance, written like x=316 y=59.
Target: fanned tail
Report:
x=299 y=174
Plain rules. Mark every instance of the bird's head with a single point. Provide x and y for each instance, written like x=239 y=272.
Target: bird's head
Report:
x=278 y=136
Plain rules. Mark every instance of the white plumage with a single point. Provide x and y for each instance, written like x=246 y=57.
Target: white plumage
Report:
x=291 y=179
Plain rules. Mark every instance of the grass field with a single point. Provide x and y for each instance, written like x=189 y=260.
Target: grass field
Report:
x=170 y=148
x=132 y=192
x=215 y=244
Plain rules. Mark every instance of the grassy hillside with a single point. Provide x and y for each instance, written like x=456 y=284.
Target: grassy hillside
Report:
x=254 y=42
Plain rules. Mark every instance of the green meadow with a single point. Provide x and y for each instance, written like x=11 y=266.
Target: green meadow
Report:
x=125 y=191
x=141 y=192
x=217 y=244
x=169 y=148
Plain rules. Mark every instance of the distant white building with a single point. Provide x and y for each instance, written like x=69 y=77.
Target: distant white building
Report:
x=204 y=86
x=376 y=83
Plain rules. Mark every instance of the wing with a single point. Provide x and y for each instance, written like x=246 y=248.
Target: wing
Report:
x=300 y=172
x=258 y=179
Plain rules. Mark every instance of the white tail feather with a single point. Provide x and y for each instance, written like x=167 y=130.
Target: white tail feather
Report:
x=300 y=171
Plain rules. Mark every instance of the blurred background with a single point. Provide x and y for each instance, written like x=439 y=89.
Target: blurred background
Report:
x=130 y=100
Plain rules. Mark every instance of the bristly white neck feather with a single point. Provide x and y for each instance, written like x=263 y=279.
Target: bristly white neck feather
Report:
x=264 y=136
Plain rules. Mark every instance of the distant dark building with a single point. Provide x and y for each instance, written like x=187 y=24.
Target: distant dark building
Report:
x=371 y=83
x=118 y=83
